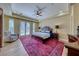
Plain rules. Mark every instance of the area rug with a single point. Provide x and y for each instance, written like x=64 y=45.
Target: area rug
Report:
x=35 y=47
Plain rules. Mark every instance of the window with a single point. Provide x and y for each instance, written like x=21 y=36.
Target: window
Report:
x=33 y=27
x=27 y=28
x=22 y=28
x=11 y=25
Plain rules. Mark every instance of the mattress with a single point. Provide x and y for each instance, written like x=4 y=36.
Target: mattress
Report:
x=41 y=34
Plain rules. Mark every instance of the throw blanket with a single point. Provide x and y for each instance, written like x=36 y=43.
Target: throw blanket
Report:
x=35 y=47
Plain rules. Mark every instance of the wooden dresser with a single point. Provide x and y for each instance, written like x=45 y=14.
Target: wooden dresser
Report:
x=73 y=48
x=73 y=45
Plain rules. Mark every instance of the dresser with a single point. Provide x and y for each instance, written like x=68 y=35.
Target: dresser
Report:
x=73 y=48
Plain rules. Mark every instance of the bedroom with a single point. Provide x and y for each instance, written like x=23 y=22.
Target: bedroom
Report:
x=24 y=19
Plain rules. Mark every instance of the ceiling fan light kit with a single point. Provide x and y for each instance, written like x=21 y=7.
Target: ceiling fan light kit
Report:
x=39 y=11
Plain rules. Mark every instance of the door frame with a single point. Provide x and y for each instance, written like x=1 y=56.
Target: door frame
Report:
x=1 y=27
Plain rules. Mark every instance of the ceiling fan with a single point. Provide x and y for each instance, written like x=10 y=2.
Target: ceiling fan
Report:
x=39 y=11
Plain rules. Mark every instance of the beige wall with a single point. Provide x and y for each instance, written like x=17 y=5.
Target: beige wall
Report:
x=36 y=26
x=76 y=18
x=6 y=23
x=62 y=21
x=16 y=25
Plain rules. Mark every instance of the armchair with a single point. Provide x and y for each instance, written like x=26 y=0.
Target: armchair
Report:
x=10 y=37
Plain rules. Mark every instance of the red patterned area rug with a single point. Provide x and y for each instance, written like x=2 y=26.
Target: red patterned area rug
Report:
x=35 y=47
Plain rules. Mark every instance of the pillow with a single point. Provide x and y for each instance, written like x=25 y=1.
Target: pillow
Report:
x=47 y=31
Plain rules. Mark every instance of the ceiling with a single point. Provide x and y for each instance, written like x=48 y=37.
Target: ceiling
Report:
x=51 y=9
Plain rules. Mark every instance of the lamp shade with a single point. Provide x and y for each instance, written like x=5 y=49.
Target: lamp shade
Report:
x=57 y=26
x=39 y=27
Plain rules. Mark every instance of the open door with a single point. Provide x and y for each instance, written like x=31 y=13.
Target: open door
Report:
x=1 y=27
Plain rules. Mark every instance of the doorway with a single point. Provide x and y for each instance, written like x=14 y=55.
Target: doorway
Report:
x=24 y=28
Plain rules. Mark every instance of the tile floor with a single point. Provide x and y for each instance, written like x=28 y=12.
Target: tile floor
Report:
x=13 y=49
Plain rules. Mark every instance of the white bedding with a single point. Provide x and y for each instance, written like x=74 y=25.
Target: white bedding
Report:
x=41 y=34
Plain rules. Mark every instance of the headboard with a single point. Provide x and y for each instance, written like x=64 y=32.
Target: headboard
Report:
x=46 y=29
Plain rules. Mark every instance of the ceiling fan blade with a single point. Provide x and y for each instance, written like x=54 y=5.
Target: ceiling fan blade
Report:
x=39 y=10
x=40 y=15
x=43 y=8
x=38 y=7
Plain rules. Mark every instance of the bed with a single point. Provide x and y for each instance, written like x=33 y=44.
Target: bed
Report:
x=44 y=32
x=41 y=35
